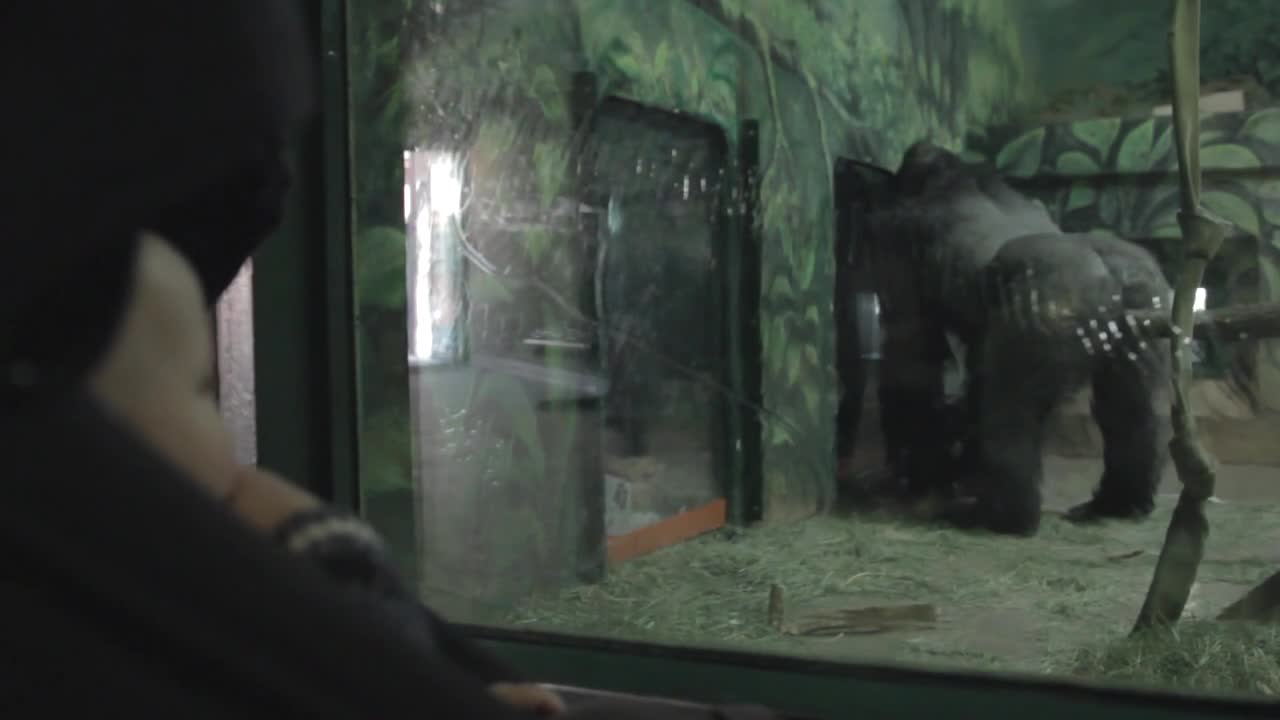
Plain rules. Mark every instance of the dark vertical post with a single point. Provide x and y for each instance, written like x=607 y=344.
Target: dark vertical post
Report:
x=591 y=550
x=746 y=491
x=849 y=363
x=721 y=315
x=304 y=352
x=582 y=105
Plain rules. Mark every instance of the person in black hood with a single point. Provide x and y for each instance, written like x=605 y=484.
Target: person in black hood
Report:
x=144 y=145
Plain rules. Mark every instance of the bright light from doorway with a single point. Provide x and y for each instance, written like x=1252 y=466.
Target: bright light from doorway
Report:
x=436 y=210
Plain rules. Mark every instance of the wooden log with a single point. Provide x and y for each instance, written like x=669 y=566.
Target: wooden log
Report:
x=1241 y=322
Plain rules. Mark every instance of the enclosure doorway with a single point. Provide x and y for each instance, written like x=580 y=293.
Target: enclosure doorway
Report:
x=857 y=325
x=658 y=182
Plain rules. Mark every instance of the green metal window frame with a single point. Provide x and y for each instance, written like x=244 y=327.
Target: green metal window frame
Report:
x=307 y=399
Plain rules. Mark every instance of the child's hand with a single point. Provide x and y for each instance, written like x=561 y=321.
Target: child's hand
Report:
x=528 y=696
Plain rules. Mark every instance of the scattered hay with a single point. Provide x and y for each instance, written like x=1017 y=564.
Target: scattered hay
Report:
x=716 y=588
x=1204 y=656
x=1042 y=604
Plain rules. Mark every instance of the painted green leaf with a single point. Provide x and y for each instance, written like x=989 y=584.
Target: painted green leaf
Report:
x=1074 y=162
x=776 y=353
x=1021 y=157
x=677 y=65
x=1109 y=207
x=808 y=263
x=811 y=398
x=732 y=9
x=550 y=163
x=1162 y=154
x=1268 y=194
x=1105 y=232
x=628 y=65
x=790 y=240
x=633 y=40
x=1162 y=149
x=660 y=59
x=811 y=354
x=1081 y=196
x=1167 y=231
x=546 y=90
x=795 y=354
x=1233 y=208
x=537 y=244
x=779 y=434
x=693 y=89
x=1098 y=134
x=811 y=315
x=1211 y=136
x=1264 y=126
x=1135 y=150
x=1228 y=157
x=722 y=99
x=781 y=288
x=1270 y=271
x=724 y=62
x=1168 y=215
x=973 y=156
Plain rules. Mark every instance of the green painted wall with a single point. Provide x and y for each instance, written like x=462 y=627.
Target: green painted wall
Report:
x=1101 y=58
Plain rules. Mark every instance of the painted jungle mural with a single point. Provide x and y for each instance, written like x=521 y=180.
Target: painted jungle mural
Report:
x=499 y=89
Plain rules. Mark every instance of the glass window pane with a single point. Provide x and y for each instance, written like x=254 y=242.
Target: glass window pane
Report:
x=672 y=327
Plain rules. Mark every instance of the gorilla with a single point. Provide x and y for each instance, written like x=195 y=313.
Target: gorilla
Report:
x=957 y=254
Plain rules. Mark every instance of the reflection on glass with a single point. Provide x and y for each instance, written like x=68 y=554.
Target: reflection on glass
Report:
x=433 y=190
x=610 y=255
x=869 y=325
x=233 y=323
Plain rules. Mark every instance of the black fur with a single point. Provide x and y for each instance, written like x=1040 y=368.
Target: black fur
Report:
x=1041 y=313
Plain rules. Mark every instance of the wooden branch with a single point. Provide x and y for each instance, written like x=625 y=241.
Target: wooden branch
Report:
x=1242 y=322
x=863 y=621
x=776 y=610
x=849 y=621
x=1184 y=541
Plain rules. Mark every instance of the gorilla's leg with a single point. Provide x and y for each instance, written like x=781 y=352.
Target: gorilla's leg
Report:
x=853 y=382
x=961 y=419
x=1012 y=397
x=910 y=394
x=1127 y=399
x=911 y=417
